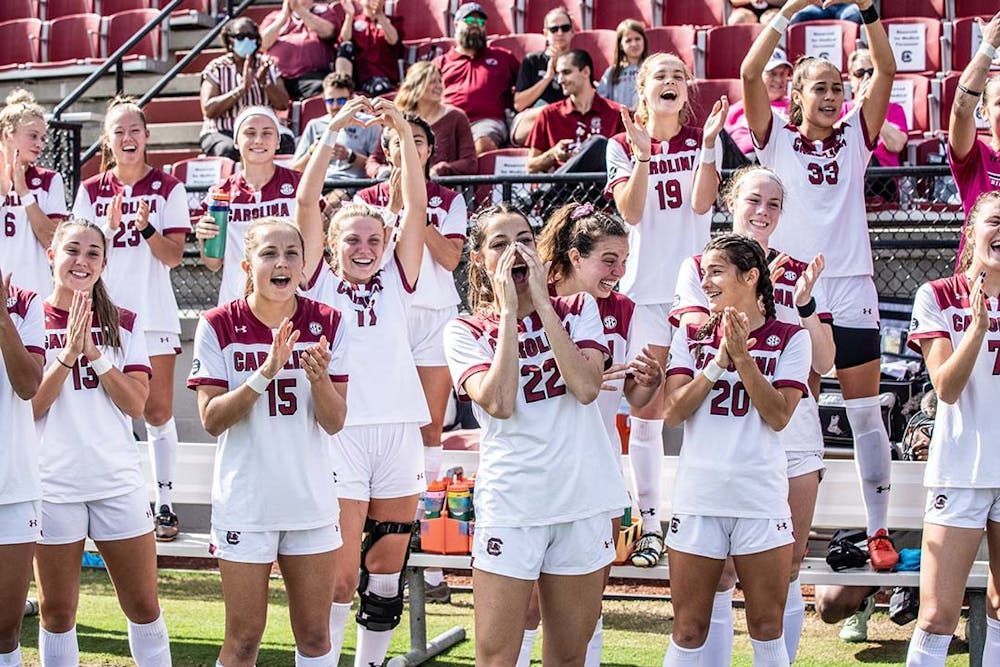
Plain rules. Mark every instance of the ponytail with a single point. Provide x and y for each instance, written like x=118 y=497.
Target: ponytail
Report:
x=577 y=226
x=122 y=104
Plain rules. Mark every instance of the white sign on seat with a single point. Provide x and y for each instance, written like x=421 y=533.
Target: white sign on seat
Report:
x=827 y=42
x=909 y=46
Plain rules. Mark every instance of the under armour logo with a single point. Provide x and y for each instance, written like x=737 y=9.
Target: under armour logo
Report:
x=240 y=329
x=783 y=525
x=32 y=523
x=607 y=544
x=165 y=485
x=420 y=476
x=883 y=489
x=650 y=512
x=866 y=311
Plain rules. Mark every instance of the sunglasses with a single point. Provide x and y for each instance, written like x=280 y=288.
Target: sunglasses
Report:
x=338 y=101
x=475 y=20
x=862 y=73
x=565 y=27
x=244 y=35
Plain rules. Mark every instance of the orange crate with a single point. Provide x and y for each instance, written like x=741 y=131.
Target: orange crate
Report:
x=446 y=536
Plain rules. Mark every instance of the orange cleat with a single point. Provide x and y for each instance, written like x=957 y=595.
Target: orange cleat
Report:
x=882 y=552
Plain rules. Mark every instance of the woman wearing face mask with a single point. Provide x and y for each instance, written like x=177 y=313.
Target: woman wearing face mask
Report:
x=243 y=77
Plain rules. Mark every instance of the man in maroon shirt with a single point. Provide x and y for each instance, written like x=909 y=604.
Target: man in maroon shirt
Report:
x=371 y=46
x=302 y=37
x=563 y=127
x=479 y=79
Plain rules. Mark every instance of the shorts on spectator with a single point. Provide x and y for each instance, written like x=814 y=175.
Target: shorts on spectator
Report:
x=106 y=520
x=568 y=549
x=162 y=343
x=379 y=461
x=20 y=523
x=651 y=325
x=962 y=508
x=427 y=334
x=241 y=546
x=803 y=463
x=490 y=128
x=720 y=536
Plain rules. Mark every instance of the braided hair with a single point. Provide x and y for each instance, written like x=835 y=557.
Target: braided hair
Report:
x=744 y=253
x=481 y=294
x=579 y=226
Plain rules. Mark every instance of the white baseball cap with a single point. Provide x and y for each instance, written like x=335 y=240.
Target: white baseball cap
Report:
x=250 y=112
x=778 y=58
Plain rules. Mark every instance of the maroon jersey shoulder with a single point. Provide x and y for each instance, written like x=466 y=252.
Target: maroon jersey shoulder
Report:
x=616 y=313
x=18 y=300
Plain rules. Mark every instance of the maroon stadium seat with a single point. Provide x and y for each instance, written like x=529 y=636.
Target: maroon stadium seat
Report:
x=600 y=44
x=965 y=8
x=797 y=40
x=309 y=108
x=430 y=49
x=725 y=47
x=74 y=40
x=123 y=26
x=57 y=8
x=701 y=13
x=532 y=20
x=19 y=43
x=521 y=44
x=501 y=17
x=706 y=92
x=174 y=110
x=905 y=62
x=948 y=87
x=487 y=167
x=961 y=42
x=677 y=39
x=898 y=9
x=423 y=19
x=185 y=171
x=609 y=13
x=112 y=7
x=921 y=98
x=13 y=10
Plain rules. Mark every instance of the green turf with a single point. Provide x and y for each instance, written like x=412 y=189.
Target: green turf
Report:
x=635 y=632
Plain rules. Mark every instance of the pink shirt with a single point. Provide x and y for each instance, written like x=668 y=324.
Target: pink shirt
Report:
x=895 y=115
x=736 y=123
x=976 y=173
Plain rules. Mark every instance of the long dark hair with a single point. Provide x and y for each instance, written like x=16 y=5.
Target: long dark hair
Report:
x=745 y=254
x=621 y=60
x=480 y=287
x=577 y=226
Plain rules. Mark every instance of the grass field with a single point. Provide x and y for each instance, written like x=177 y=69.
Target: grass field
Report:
x=635 y=632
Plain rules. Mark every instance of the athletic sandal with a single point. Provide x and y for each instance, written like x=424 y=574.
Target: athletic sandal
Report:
x=647 y=550
x=855 y=629
x=166 y=525
x=881 y=551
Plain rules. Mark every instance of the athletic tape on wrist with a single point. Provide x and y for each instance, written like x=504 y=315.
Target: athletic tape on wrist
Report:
x=29 y=199
x=258 y=382
x=988 y=50
x=713 y=371
x=779 y=24
x=707 y=155
x=101 y=365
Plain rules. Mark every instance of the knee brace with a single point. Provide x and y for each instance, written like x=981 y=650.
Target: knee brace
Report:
x=378 y=613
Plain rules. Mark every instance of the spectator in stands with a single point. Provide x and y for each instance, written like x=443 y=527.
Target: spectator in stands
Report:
x=753 y=11
x=776 y=74
x=302 y=36
x=563 y=127
x=454 y=151
x=355 y=143
x=974 y=162
x=371 y=46
x=840 y=11
x=243 y=77
x=631 y=48
x=536 y=80
x=478 y=79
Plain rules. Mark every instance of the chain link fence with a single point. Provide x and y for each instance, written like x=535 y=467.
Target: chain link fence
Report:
x=61 y=153
x=913 y=215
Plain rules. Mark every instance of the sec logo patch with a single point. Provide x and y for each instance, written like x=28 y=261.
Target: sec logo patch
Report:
x=287 y=189
x=315 y=329
x=773 y=340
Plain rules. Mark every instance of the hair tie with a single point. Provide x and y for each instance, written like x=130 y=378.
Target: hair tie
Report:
x=581 y=211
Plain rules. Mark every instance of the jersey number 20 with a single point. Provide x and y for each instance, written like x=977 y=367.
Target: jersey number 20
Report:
x=732 y=399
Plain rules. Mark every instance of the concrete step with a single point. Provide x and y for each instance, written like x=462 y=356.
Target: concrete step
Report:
x=175 y=135
x=49 y=92
x=186 y=39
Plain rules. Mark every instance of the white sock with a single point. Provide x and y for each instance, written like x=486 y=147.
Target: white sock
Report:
x=432 y=463
x=718 y=646
x=12 y=659
x=339 y=611
x=58 y=649
x=163 y=454
x=769 y=653
x=795 y=617
x=328 y=660
x=645 y=449
x=433 y=576
x=927 y=650
x=991 y=652
x=595 y=645
x=372 y=646
x=527 y=645
x=872 y=458
x=677 y=656
x=218 y=663
x=149 y=643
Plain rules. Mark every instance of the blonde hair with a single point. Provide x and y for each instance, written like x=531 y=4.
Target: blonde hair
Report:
x=414 y=85
x=20 y=109
x=732 y=188
x=645 y=71
x=969 y=250
x=120 y=104
x=346 y=212
x=803 y=66
x=252 y=240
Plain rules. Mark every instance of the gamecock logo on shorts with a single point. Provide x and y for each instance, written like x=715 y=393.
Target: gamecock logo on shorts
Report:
x=940 y=501
x=233 y=537
x=315 y=329
x=494 y=546
x=675 y=524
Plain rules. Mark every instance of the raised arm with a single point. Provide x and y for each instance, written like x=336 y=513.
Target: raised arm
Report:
x=270 y=32
x=884 y=62
x=962 y=131
x=630 y=195
x=706 y=178
x=756 y=103
x=24 y=368
x=410 y=243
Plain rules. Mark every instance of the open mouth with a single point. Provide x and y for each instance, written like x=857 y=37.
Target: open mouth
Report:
x=608 y=285
x=281 y=281
x=129 y=149
x=828 y=109
x=81 y=275
x=757 y=223
x=363 y=261
x=712 y=294
x=669 y=95
x=519 y=273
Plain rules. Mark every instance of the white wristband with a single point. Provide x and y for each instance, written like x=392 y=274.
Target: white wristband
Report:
x=29 y=199
x=329 y=138
x=258 y=382
x=987 y=50
x=708 y=155
x=713 y=371
x=101 y=365
x=779 y=24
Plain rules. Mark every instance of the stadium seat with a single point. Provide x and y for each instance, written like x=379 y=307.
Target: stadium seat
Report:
x=57 y=8
x=201 y=171
x=898 y=9
x=259 y=12
x=19 y=43
x=112 y=7
x=962 y=45
x=965 y=8
x=73 y=40
x=908 y=37
x=913 y=92
x=520 y=44
x=725 y=47
x=678 y=39
x=600 y=44
x=174 y=110
x=192 y=12
x=424 y=19
x=948 y=87
x=531 y=13
x=706 y=92
x=13 y=10
x=429 y=49
x=609 y=13
x=488 y=167
x=309 y=108
x=699 y=13
x=123 y=26
x=501 y=17
x=818 y=38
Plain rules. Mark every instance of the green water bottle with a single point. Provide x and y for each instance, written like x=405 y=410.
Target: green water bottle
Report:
x=219 y=210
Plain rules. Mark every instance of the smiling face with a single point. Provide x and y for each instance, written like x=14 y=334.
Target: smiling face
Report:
x=359 y=244
x=127 y=135
x=571 y=78
x=776 y=81
x=756 y=206
x=820 y=94
x=986 y=235
x=77 y=257
x=723 y=283
x=258 y=140
x=663 y=81
x=502 y=230
x=599 y=272
x=274 y=260
x=433 y=88
x=394 y=154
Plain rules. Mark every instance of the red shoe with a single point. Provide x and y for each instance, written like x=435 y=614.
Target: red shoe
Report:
x=881 y=551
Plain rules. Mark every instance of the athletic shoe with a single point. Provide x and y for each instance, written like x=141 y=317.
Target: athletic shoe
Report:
x=881 y=551
x=855 y=629
x=31 y=607
x=440 y=594
x=647 y=550
x=166 y=525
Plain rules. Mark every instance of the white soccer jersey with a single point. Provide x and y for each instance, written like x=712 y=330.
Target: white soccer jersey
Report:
x=135 y=278
x=447 y=211
x=275 y=199
x=20 y=252
x=385 y=387
x=732 y=463
x=963 y=446
x=824 y=208
x=616 y=316
x=669 y=230
x=88 y=451
x=551 y=461
x=18 y=439
x=274 y=468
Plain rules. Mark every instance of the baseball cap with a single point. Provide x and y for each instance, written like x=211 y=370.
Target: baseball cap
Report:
x=250 y=112
x=470 y=8
x=778 y=58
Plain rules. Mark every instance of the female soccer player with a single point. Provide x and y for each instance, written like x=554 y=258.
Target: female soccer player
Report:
x=259 y=189
x=954 y=328
x=273 y=503
x=822 y=161
x=96 y=381
x=34 y=199
x=379 y=471
x=144 y=213
x=755 y=195
x=547 y=481
x=731 y=497
x=664 y=182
